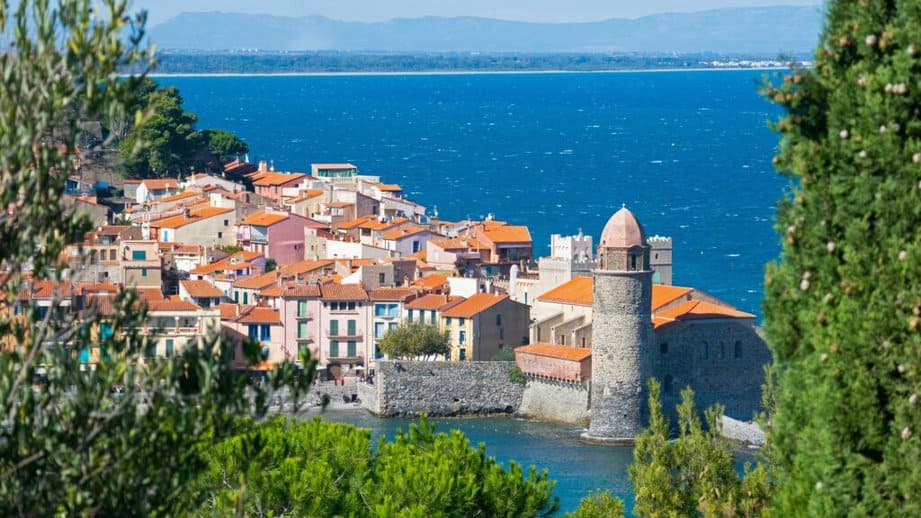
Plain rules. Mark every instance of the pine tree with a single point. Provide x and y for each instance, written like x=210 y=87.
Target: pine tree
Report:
x=843 y=304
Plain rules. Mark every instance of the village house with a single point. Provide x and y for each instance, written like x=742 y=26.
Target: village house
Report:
x=273 y=186
x=172 y=324
x=261 y=324
x=299 y=306
x=343 y=321
x=427 y=309
x=407 y=240
x=508 y=245
x=202 y=293
x=484 y=324
x=307 y=203
x=460 y=254
x=276 y=234
x=140 y=264
x=98 y=257
x=387 y=314
x=334 y=172
x=155 y=188
x=210 y=226
x=203 y=181
x=224 y=272
x=246 y=290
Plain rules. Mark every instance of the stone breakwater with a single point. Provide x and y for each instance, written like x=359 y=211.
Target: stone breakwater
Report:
x=409 y=388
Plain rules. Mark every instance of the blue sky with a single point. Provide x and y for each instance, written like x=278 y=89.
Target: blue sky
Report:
x=376 y=10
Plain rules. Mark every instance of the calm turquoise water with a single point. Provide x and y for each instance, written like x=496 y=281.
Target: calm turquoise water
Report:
x=689 y=152
x=578 y=468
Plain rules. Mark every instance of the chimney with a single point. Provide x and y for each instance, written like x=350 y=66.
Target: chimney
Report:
x=263 y=166
x=187 y=213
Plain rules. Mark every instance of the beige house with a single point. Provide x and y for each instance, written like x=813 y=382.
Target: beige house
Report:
x=484 y=324
x=210 y=226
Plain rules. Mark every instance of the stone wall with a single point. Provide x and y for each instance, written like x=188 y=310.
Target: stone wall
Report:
x=409 y=388
x=556 y=401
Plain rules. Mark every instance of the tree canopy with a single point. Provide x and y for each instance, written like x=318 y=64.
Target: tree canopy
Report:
x=415 y=340
x=317 y=468
x=843 y=303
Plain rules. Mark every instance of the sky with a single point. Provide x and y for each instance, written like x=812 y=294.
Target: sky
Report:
x=523 y=10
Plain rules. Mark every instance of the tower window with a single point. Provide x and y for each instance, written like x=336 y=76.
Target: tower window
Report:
x=663 y=348
x=738 y=349
x=632 y=262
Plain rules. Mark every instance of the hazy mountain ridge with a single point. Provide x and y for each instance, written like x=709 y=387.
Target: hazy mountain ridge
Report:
x=757 y=30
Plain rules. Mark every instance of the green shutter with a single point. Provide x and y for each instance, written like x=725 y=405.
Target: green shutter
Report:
x=353 y=348
x=302 y=329
x=333 y=328
x=334 y=348
x=351 y=326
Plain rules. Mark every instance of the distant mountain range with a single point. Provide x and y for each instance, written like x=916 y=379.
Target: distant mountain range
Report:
x=736 y=31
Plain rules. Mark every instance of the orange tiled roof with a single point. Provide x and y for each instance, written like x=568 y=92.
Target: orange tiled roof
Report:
x=171 y=304
x=333 y=291
x=259 y=315
x=88 y=288
x=228 y=310
x=400 y=294
x=560 y=352
x=201 y=289
x=257 y=282
x=160 y=183
x=272 y=178
x=458 y=243
x=101 y=303
x=46 y=289
x=195 y=215
x=340 y=204
x=663 y=294
x=432 y=281
x=264 y=219
x=190 y=193
x=577 y=290
x=404 y=232
x=390 y=187
x=333 y=166
x=695 y=310
x=374 y=224
x=181 y=248
x=149 y=294
x=474 y=305
x=434 y=302
x=348 y=225
x=300 y=290
x=305 y=266
x=312 y=193
x=508 y=234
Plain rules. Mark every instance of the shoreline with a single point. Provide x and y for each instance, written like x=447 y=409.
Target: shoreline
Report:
x=457 y=72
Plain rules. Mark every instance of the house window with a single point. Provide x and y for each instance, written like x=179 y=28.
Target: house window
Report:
x=738 y=349
x=409 y=315
x=266 y=333
x=461 y=321
x=378 y=329
x=663 y=348
x=462 y=337
x=393 y=325
x=352 y=348
x=381 y=278
x=462 y=354
x=138 y=255
x=220 y=235
x=151 y=350
x=448 y=336
x=112 y=254
x=498 y=320
x=245 y=297
x=334 y=348
x=169 y=347
x=351 y=327
x=236 y=296
x=302 y=329
x=226 y=222
x=415 y=246
x=447 y=320
x=333 y=328
x=143 y=272
x=351 y=306
x=704 y=351
x=253 y=331
x=302 y=308
x=432 y=321
x=632 y=262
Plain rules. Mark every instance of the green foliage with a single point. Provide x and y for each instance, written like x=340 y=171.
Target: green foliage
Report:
x=224 y=144
x=317 y=468
x=694 y=474
x=505 y=354
x=415 y=340
x=843 y=304
x=125 y=439
x=270 y=265
x=600 y=504
x=166 y=143
x=516 y=376
x=229 y=249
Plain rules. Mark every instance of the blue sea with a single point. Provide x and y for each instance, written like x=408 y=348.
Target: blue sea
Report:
x=688 y=152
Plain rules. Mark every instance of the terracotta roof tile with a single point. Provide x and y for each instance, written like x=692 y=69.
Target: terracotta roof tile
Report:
x=333 y=291
x=340 y=204
x=577 y=290
x=400 y=294
x=190 y=193
x=89 y=288
x=432 y=281
x=696 y=310
x=312 y=193
x=201 y=289
x=300 y=291
x=228 y=310
x=257 y=282
x=101 y=304
x=160 y=183
x=171 y=304
x=560 y=352
x=407 y=231
x=663 y=294
x=306 y=266
x=474 y=305
x=272 y=178
x=390 y=187
x=458 y=243
x=264 y=219
x=259 y=315
x=508 y=234
x=195 y=215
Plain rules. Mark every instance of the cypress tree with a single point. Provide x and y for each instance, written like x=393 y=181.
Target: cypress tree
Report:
x=843 y=303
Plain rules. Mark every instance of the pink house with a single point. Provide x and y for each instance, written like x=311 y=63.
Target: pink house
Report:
x=278 y=235
x=298 y=306
x=262 y=324
x=272 y=185
x=344 y=328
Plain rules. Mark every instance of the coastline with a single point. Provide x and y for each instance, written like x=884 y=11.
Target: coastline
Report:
x=461 y=72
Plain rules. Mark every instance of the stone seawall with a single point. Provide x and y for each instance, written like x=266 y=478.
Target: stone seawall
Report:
x=410 y=388
x=557 y=401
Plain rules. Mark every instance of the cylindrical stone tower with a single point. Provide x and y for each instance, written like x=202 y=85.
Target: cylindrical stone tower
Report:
x=621 y=331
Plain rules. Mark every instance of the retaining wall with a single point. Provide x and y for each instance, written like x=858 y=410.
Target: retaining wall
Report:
x=557 y=401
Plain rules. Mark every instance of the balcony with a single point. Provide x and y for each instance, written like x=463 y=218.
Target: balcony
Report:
x=343 y=336
x=306 y=316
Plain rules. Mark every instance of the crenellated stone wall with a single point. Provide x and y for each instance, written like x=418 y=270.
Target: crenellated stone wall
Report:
x=409 y=388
